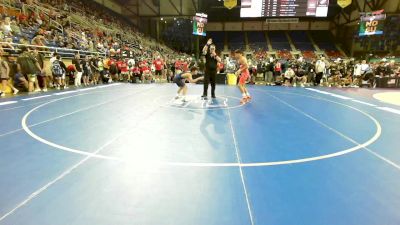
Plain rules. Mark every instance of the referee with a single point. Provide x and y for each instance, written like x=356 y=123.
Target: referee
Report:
x=212 y=59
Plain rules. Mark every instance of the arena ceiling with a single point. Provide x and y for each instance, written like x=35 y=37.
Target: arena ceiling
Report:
x=187 y=8
x=135 y=9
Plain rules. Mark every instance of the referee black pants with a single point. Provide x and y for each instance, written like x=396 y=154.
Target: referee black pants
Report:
x=209 y=77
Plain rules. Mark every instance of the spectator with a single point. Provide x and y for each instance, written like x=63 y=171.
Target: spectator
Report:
x=15 y=28
x=320 y=67
x=113 y=70
x=39 y=40
x=131 y=65
x=124 y=70
x=95 y=70
x=78 y=70
x=103 y=71
x=278 y=72
x=87 y=70
x=136 y=74
x=29 y=67
x=159 y=66
x=269 y=72
x=357 y=74
x=42 y=74
x=5 y=77
x=57 y=71
x=64 y=77
x=288 y=77
x=367 y=73
x=382 y=73
x=300 y=77
x=364 y=67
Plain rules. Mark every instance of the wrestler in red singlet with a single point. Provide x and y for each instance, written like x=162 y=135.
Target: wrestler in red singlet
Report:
x=243 y=74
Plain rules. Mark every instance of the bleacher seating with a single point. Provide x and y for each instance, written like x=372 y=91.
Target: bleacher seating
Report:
x=236 y=40
x=333 y=54
x=260 y=54
x=279 y=40
x=48 y=23
x=284 y=54
x=301 y=41
x=324 y=40
x=218 y=39
x=308 y=54
x=257 y=40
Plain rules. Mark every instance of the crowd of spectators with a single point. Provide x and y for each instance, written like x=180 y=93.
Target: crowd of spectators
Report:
x=103 y=47
x=27 y=72
x=325 y=72
x=329 y=69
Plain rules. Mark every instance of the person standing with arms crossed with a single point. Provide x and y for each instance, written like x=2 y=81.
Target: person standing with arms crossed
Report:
x=209 y=51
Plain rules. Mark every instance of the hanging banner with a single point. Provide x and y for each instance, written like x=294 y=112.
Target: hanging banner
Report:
x=199 y=23
x=344 y=3
x=230 y=4
x=372 y=23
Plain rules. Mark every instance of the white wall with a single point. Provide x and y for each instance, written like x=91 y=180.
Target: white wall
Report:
x=299 y=26
x=233 y=26
x=253 y=25
x=277 y=26
x=214 y=26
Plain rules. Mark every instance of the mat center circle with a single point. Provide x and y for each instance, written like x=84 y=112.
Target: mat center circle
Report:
x=196 y=102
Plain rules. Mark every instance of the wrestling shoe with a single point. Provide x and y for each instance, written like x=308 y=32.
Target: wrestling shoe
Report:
x=248 y=98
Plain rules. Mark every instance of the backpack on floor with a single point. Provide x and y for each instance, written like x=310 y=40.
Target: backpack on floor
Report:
x=57 y=69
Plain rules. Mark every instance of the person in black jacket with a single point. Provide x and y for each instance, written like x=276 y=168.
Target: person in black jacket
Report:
x=64 y=78
x=87 y=70
x=78 y=68
x=209 y=51
x=382 y=75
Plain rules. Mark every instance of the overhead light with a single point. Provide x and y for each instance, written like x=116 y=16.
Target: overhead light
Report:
x=162 y=18
x=174 y=18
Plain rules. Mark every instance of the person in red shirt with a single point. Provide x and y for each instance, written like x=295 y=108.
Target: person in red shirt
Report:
x=136 y=74
x=110 y=61
x=71 y=72
x=145 y=70
x=220 y=67
x=113 y=69
x=159 y=65
x=143 y=66
x=119 y=65
x=124 y=70
x=185 y=66
x=178 y=66
x=22 y=18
